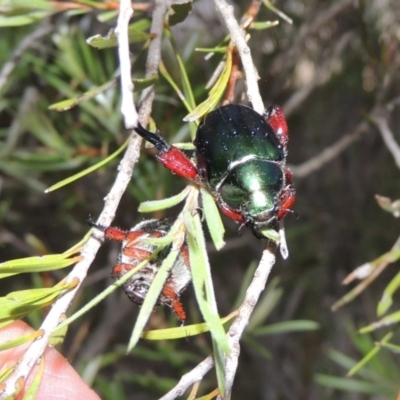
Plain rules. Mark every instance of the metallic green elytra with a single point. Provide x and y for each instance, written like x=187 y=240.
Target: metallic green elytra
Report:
x=241 y=157
x=241 y=160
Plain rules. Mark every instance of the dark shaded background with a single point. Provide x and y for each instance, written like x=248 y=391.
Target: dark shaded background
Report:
x=331 y=70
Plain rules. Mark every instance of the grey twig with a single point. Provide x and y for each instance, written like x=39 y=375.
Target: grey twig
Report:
x=328 y=154
x=128 y=108
x=190 y=378
x=245 y=310
x=238 y=38
x=388 y=137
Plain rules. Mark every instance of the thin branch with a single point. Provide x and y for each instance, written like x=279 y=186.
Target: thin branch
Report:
x=268 y=259
x=190 y=378
x=388 y=137
x=241 y=321
x=328 y=154
x=153 y=58
x=128 y=108
x=78 y=274
x=238 y=38
x=235 y=332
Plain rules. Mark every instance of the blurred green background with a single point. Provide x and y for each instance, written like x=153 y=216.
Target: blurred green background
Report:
x=333 y=69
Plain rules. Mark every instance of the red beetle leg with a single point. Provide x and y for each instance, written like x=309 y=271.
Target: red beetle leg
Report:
x=288 y=177
x=134 y=252
x=117 y=234
x=169 y=156
x=177 y=162
x=231 y=213
x=277 y=120
x=176 y=305
x=287 y=199
x=185 y=255
x=121 y=269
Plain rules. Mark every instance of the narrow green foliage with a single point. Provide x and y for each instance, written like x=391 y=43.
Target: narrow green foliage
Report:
x=286 y=327
x=69 y=103
x=136 y=34
x=156 y=205
x=263 y=25
x=152 y=297
x=87 y=171
x=202 y=280
x=183 y=331
x=21 y=303
x=187 y=88
x=36 y=264
x=164 y=72
x=390 y=319
x=18 y=341
x=64 y=105
x=33 y=388
x=213 y=219
x=215 y=93
x=348 y=385
x=23 y=19
x=387 y=297
x=96 y=300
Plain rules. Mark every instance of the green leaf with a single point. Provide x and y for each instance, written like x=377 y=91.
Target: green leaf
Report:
x=107 y=15
x=152 y=297
x=187 y=87
x=156 y=205
x=346 y=384
x=389 y=346
x=135 y=31
x=139 y=85
x=182 y=331
x=263 y=25
x=369 y=356
x=36 y=264
x=271 y=234
x=169 y=79
x=87 y=171
x=222 y=50
x=286 y=327
x=278 y=12
x=202 y=280
x=18 y=341
x=69 y=103
x=215 y=93
x=25 y=19
x=33 y=388
x=213 y=219
x=390 y=319
x=387 y=297
x=31 y=4
x=96 y=300
x=20 y=303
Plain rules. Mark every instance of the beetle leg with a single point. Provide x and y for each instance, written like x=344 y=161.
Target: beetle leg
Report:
x=274 y=117
x=231 y=213
x=115 y=233
x=169 y=292
x=287 y=197
x=121 y=269
x=169 y=156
